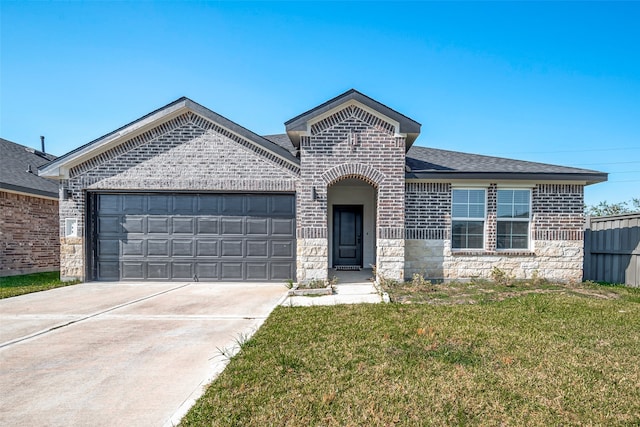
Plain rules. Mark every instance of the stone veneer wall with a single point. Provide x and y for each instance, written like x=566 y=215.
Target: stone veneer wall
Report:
x=187 y=153
x=352 y=143
x=28 y=234
x=556 y=248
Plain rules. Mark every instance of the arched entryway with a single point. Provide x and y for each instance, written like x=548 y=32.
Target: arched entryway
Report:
x=351 y=218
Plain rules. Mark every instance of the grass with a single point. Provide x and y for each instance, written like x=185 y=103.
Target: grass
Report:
x=532 y=358
x=28 y=283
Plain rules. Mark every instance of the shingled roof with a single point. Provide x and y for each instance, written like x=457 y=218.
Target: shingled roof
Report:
x=15 y=162
x=433 y=163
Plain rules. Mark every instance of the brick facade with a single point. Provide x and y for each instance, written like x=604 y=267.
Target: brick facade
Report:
x=350 y=143
x=348 y=138
x=556 y=234
x=187 y=153
x=29 y=239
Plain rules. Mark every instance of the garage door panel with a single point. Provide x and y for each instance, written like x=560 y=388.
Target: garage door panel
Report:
x=108 y=270
x=283 y=205
x=258 y=226
x=158 y=225
x=175 y=236
x=208 y=226
x=208 y=204
x=158 y=204
x=207 y=248
x=232 y=204
x=257 y=248
x=258 y=205
x=110 y=224
x=108 y=248
x=257 y=271
x=133 y=224
x=183 y=225
x=232 y=226
x=207 y=270
x=182 y=248
x=182 y=270
x=281 y=249
x=184 y=204
x=109 y=203
x=231 y=271
x=158 y=247
x=282 y=227
x=231 y=248
x=132 y=247
x=158 y=270
x=133 y=204
x=132 y=270
x=281 y=271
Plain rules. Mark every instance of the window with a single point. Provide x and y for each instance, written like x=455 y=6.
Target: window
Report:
x=513 y=219
x=467 y=215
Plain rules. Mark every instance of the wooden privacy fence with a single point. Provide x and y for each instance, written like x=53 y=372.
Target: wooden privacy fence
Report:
x=612 y=249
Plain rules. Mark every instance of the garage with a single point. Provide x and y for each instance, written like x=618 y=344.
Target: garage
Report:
x=186 y=236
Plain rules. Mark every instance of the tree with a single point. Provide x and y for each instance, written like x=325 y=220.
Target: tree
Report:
x=604 y=208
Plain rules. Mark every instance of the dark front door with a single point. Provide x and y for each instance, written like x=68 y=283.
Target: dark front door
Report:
x=347 y=235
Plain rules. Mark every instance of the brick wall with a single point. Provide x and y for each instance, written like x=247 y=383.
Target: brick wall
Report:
x=556 y=235
x=351 y=143
x=28 y=234
x=187 y=153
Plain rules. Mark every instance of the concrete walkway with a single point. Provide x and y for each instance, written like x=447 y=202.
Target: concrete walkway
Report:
x=354 y=287
x=120 y=354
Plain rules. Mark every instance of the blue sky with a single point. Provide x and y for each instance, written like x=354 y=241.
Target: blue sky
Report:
x=547 y=82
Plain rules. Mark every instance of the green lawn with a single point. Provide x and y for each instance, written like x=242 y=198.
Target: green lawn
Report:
x=19 y=285
x=535 y=356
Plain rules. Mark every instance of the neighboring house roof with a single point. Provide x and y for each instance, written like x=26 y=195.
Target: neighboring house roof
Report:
x=61 y=165
x=432 y=163
x=298 y=125
x=15 y=161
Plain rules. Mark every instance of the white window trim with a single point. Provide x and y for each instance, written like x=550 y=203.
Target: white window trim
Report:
x=483 y=219
x=528 y=219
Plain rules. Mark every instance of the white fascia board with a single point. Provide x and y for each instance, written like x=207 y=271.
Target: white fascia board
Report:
x=61 y=171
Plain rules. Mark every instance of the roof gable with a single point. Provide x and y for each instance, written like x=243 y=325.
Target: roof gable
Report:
x=301 y=124
x=15 y=162
x=61 y=166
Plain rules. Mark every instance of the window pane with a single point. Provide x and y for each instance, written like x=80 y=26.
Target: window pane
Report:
x=505 y=196
x=521 y=211
x=476 y=211
x=460 y=211
x=521 y=228
x=476 y=196
x=513 y=204
x=468 y=204
x=460 y=196
x=467 y=235
x=504 y=211
x=475 y=227
x=512 y=235
x=521 y=197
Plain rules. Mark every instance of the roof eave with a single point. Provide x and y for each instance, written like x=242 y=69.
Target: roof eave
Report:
x=26 y=190
x=587 y=178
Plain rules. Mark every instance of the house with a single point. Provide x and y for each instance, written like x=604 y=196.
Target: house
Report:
x=29 y=238
x=184 y=193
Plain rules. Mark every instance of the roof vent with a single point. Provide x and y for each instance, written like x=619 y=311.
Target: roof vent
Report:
x=42 y=144
x=29 y=170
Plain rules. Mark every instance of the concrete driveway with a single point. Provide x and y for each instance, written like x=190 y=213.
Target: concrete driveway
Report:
x=120 y=353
